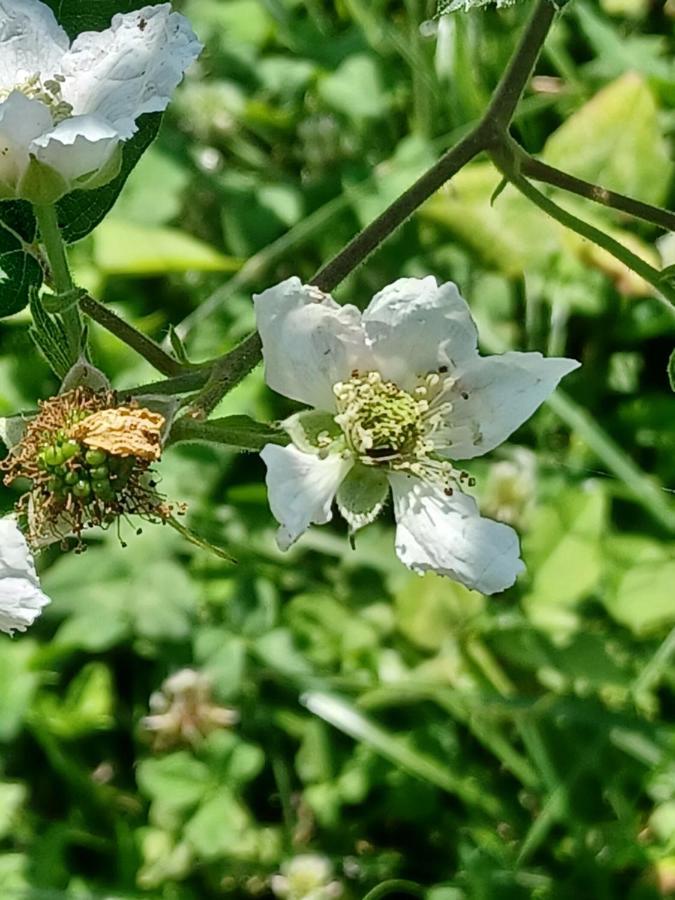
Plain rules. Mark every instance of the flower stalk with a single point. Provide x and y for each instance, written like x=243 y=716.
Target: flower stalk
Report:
x=54 y=247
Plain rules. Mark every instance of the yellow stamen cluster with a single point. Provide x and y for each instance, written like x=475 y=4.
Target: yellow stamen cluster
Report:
x=384 y=425
x=47 y=92
x=378 y=419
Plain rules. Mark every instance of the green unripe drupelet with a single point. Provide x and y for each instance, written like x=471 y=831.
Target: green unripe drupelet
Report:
x=70 y=449
x=103 y=490
x=82 y=490
x=53 y=457
x=95 y=457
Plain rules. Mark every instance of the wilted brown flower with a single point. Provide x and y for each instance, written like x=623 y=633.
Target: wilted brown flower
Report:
x=87 y=460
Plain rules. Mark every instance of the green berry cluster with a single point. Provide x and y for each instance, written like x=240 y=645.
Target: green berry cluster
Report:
x=83 y=473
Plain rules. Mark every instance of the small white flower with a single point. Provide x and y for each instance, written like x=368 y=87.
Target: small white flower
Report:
x=308 y=876
x=21 y=598
x=65 y=108
x=399 y=390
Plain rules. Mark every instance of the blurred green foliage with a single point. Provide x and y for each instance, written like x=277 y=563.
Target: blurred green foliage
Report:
x=403 y=727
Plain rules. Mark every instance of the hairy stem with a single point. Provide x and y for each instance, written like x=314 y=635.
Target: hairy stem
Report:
x=541 y=171
x=358 y=249
x=226 y=374
x=50 y=237
x=506 y=97
x=129 y=335
x=230 y=431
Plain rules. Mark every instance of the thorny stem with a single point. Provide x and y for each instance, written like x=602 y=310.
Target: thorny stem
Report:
x=142 y=344
x=50 y=236
x=228 y=431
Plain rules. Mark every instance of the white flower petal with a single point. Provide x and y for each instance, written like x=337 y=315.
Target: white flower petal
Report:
x=448 y=535
x=493 y=396
x=301 y=488
x=131 y=68
x=415 y=326
x=309 y=344
x=21 y=599
x=21 y=121
x=81 y=145
x=31 y=42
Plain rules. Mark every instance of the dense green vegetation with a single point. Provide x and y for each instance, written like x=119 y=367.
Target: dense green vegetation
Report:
x=402 y=727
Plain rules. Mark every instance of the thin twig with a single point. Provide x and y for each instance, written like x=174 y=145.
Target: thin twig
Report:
x=129 y=335
x=358 y=249
x=502 y=107
x=226 y=374
x=541 y=171
x=663 y=290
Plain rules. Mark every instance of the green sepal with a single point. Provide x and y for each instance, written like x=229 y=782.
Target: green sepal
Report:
x=362 y=495
x=49 y=336
x=100 y=177
x=40 y=184
x=12 y=430
x=83 y=374
x=305 y=429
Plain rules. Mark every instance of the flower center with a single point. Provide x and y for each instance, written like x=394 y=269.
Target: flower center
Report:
x=386 y=426
x=47 y=92
x=379 y=420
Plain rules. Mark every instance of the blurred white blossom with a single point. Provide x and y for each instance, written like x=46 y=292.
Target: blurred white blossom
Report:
x=21 y=597
x=65 y=108
x=308 y=876
x=511 y=487
x=183 y=712
x=398 y=392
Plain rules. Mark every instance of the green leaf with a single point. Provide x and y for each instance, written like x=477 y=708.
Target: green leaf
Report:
x=81 y=211
x=87 y=706
x=20 y=272
x=125 y=248
x=430 y=609
x=645 y=598
x=562 y=550
x=615 y=140
x=19 y=684
x=671 y=370
x=178 y=781
x=121 y=591
x=222 y=827
x=355 y=89
x=12 y=797
x=450 y=6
